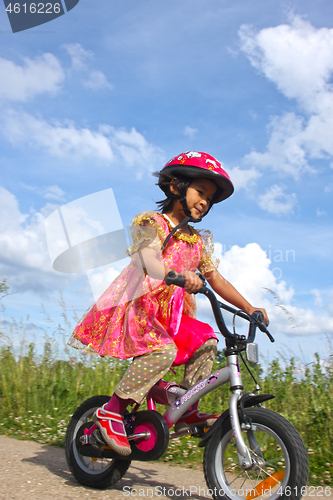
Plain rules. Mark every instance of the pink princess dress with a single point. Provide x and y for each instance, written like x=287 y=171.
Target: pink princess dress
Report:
x=138 y=314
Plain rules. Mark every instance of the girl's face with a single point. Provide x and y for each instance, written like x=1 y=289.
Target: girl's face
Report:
x=199 y=196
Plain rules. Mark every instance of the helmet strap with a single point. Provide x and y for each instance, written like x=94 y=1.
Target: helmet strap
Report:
x=188 y=218
x=187 y=212
x=166 y=241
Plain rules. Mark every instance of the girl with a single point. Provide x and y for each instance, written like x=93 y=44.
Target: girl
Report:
x=140 y=317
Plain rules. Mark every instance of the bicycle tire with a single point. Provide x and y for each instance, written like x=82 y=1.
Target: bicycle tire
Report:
x=93 y=472
x=282 y=449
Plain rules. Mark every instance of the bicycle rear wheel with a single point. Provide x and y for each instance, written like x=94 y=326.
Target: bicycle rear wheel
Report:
x=281 y=461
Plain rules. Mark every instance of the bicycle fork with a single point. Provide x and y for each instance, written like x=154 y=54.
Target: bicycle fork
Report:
x=236 y=389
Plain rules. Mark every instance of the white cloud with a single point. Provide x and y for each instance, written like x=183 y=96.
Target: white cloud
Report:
x=277 y=202
x=133 y=150
x=298 y=59
x=49 y=192
x=80 y=57
x=107 y=144
x=249 y=270
x=97 y=80
x=190 y=132
x=330 y=306
x=35 y=76
x=24 y=256
x=318 y=297
x=47 y=209
x=243 y=178
x=11 y=217
x=54 y=193
x=285 y=150
x=57 y=140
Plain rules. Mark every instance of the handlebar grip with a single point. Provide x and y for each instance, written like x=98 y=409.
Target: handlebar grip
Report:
x=172 y=278
x=259 y=317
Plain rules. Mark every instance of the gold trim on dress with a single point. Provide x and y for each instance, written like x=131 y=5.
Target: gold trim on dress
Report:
x=189 y=238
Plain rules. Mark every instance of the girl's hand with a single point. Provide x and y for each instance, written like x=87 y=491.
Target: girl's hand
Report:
x=192 y=281
x=250 y=310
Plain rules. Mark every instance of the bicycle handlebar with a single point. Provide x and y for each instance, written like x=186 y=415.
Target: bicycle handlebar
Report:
x=256 y=320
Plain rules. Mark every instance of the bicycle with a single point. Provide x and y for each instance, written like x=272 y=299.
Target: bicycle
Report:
x=250 y=451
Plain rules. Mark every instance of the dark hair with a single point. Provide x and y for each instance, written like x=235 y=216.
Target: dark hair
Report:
x=164 y=180
x=181 y=182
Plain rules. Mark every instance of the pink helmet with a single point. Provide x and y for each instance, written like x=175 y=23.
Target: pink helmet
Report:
x=198 y=164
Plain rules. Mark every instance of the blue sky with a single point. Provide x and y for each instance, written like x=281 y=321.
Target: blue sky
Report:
x=101 y=97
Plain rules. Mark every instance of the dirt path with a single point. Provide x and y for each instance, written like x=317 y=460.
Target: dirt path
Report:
x=29 y=470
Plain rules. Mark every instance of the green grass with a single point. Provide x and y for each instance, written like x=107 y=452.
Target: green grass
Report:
x=39 y=394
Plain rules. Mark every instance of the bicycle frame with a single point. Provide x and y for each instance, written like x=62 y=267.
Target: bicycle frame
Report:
x=229 y=373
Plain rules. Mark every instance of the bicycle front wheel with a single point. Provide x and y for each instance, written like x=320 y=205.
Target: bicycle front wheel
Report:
x=280 y=462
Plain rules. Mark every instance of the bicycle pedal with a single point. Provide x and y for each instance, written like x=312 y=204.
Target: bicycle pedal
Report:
x=96 y=440
x=198 y=431
x=189 y=430
x=182 y=426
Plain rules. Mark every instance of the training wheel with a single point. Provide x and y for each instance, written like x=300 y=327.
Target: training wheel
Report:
x=152 y=423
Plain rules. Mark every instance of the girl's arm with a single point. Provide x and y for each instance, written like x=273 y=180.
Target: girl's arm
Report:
x=229 y=293
x=147 y=258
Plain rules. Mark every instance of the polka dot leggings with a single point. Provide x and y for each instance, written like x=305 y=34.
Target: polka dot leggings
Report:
x=146 y=370
x=200 y=365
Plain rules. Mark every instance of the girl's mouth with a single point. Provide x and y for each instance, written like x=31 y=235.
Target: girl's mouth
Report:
x=199 y=212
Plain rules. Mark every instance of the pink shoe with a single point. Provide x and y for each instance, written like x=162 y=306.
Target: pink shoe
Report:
x=194 y=418
x=116 y=440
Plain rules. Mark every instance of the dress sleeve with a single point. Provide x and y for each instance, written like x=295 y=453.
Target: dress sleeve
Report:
x=146 y=230
x=207 y=261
